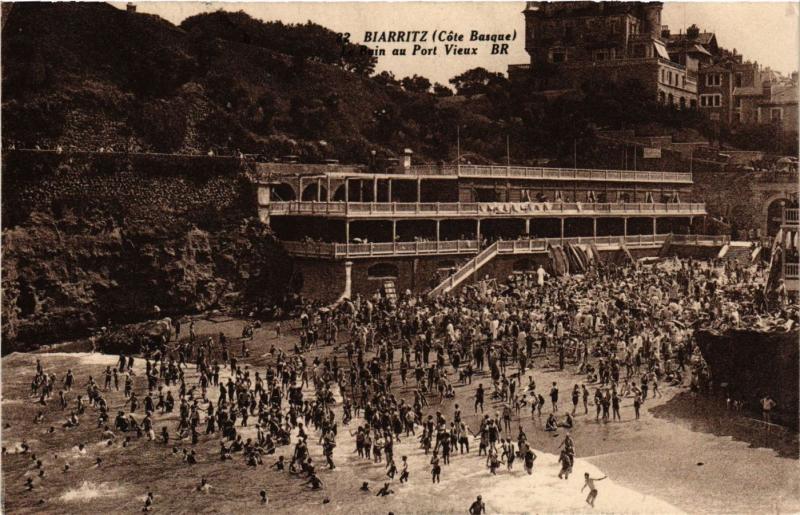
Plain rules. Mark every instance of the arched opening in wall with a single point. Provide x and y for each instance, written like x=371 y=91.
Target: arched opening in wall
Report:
x=522 y=265
x=382 y=271
x=310 y=192
x=338 y=194
x=774 y=213
x=283 y=192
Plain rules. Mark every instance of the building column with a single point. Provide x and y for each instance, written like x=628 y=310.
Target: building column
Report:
x=300 y=188
x=594 y=227
x=361 y=190
x=528 y=226
x=375 y=189
x=654 y=226
x=348 y=280
x=346 y=190
x=389 y=187
x=347 y=231
x=328 y=195
x=419 y=190
x=438 y=227
x=319 y=190
x=394 y=231
x=562 y=228
x=478 y=231
x=625 y=226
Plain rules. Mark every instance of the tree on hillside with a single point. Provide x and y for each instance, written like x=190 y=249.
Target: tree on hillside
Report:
x=476 y=81
x=440 y=90
x=309 y=41
x=416 y=84
x=386 y=78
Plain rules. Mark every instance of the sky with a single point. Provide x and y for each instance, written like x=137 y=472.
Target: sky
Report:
x=766 y=32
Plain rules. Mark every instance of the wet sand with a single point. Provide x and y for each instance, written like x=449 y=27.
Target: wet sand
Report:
x=656 y=458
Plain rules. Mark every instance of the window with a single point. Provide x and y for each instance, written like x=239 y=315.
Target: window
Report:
x=661 y=97
x=712 y=100
x=683 y=103
x=776 y=114
x=738 y=80
x=669 y=77
x=663 y=75
x=683 y=78
x=713 y=79
x=670 y=99
x=693 y=103
x=558 y=55
x=599 y=55
x=737 y=102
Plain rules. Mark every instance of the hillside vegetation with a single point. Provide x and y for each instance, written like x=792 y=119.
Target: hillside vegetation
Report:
x=90 y=76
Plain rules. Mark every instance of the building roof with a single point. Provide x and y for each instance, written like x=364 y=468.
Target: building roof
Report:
x=783 y=94
x=749 y=91
x=705 y=43
x=697 y=49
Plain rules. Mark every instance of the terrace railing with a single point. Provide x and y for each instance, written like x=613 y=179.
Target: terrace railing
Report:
x=482 y=209
x=701 y=239
x=536 y=172
x=422 y=248
x=362 y=250
x=791 y=216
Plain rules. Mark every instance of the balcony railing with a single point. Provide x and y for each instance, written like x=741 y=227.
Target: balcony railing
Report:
x=480 y=209
x=536 y=172
x=701 y=239
x=400 y=248
x=791 y=271
x=791 y=216
x=521 y=246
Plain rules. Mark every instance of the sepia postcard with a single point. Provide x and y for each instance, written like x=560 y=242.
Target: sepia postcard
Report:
x=400 y=257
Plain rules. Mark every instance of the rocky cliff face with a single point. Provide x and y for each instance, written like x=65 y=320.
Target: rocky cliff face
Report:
x=89 y=249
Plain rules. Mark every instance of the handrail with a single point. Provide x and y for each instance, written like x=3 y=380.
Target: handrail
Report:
x=791 y=270
x=521 y=246
x=483 y=209
x=468 y=268
x=539 y=172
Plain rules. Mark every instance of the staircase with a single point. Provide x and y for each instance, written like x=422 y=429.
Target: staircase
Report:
x=740 y=251
x=389 y=289
x=470 y=267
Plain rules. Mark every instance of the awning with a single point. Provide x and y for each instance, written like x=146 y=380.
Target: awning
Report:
x=661 y=50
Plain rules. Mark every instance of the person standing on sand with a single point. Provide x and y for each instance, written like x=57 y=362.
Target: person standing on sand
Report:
x=478 y=507
x=554 y=397
x=589 y=481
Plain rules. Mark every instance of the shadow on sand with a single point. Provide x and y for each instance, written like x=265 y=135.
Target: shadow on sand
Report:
x=708 y=416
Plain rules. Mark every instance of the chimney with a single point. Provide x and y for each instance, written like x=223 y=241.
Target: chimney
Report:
x=767 y=90
x=665 y=31
x=131 y=7
x=407 y=159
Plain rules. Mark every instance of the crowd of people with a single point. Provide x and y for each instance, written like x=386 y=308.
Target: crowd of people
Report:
x=624 y=332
